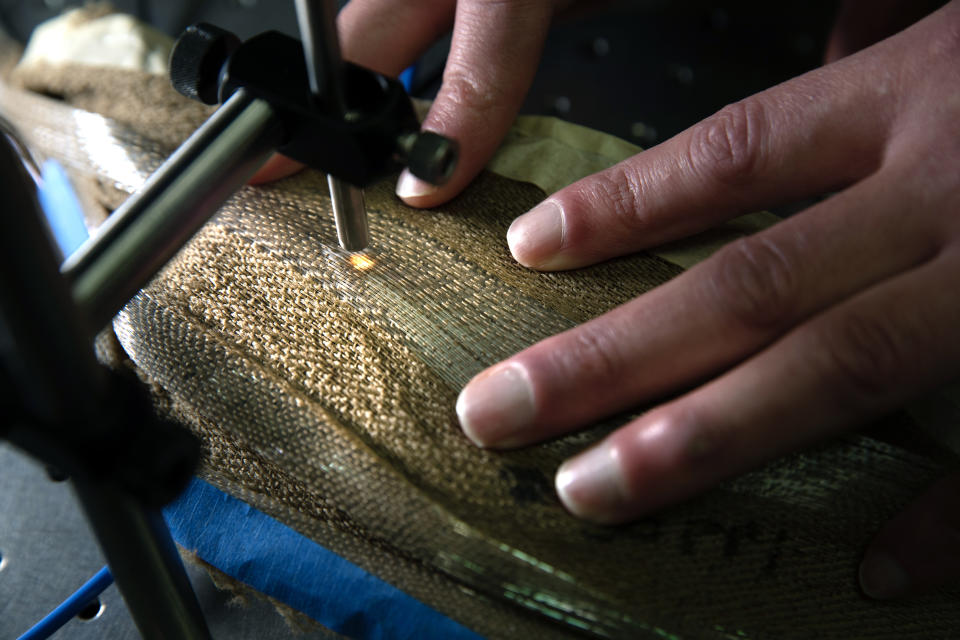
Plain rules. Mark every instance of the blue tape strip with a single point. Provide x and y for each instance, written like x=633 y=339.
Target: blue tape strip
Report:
x=274 y=559
x=62 y=209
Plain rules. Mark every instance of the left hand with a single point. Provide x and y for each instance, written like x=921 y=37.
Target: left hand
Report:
x=831 y=317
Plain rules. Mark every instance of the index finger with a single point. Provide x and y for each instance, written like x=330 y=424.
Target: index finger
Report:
x=383 y=35
x=814 y=134
x=493 y=56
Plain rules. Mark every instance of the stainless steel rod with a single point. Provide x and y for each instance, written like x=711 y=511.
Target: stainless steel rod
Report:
x=154 y=223
x=317 y=20
x=145 y=564
x=63 y=393
x=347 y=200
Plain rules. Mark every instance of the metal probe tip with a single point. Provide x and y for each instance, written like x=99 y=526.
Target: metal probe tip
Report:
x=321 y=48
x=349 y=213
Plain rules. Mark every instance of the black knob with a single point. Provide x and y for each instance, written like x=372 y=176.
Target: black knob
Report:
x=197 y=58
x=429 y=156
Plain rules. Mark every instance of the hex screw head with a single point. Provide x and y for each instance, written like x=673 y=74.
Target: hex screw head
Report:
x=429 y=156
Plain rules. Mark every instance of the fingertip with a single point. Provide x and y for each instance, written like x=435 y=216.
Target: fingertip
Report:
x=276 y=168
x=591 y=485
x=416 y=192
x=536 y=238
x=497 y=407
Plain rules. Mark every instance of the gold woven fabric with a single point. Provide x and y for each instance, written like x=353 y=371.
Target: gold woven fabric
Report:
x=324 y=392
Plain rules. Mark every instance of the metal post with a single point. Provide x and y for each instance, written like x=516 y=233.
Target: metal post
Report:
x=145 y=564
x=321 y=47
x=61 y=400
x=154 y=223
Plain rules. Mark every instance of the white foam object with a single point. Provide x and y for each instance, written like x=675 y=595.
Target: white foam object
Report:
x=115 y=40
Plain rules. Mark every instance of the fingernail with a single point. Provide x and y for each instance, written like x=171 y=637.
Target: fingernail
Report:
x=536 y=237
x=410 y=186
x=496 y=405
x=591 y=486
x=882 y=577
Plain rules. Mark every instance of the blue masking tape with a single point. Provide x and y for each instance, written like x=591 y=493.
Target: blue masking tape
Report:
x=62 y=209
x=274 y=559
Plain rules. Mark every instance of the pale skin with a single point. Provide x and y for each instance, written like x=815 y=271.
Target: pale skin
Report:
x=830 y=318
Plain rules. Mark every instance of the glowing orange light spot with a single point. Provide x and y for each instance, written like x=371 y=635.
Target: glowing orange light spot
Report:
x=361 y=262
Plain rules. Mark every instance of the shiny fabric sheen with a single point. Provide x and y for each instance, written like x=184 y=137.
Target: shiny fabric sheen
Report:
x=324 y=394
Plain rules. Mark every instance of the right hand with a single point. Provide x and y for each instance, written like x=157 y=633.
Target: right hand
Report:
x=494 y=54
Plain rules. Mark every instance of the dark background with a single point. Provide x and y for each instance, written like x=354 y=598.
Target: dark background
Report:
x=640 y=69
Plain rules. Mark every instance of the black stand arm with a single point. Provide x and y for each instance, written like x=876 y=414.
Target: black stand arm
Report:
x=61 y=406
x=57 y=402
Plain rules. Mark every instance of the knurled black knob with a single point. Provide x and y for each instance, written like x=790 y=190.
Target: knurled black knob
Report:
x=197 y=58
x=429 y=156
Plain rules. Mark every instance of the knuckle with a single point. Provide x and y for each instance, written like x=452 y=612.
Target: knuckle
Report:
x=675 y=440
x=754 y=281
x=619 y=192
x=465 y=90
x=698 y=433
x=866 y=356
x=727 y=145
x=593 y=356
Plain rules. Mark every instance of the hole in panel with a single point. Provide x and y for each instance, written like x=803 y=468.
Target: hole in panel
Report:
x=92 y=611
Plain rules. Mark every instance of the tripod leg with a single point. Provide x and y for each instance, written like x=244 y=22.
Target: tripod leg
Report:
x=144 y=562
x=57 y=402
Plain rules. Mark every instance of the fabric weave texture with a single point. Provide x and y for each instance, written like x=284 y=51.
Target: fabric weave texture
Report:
x=324 y=395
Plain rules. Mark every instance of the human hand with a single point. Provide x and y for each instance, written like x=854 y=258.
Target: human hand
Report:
x=861 y=23
x=493 y=57
x=835 y=315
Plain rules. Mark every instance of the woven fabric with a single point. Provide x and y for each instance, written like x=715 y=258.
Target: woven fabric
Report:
x=324 y=391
